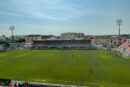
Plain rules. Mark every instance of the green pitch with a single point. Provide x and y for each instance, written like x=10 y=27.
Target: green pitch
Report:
x=97 y=68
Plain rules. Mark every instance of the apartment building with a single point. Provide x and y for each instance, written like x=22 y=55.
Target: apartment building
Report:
x=31 y=38
x=108 y=40
x=72 y=35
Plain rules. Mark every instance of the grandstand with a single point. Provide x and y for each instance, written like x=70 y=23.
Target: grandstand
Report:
x=62 y=44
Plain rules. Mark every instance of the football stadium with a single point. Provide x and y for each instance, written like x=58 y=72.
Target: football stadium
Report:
x=64 y=43
x=92 y=68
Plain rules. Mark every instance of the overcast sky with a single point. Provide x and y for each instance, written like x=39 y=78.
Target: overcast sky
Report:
x=57 y=16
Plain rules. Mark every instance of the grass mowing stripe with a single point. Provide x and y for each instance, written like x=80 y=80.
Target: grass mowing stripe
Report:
x=32 y=65
x=96 y=68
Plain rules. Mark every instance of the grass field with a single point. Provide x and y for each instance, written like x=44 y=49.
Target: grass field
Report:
x=97 y=68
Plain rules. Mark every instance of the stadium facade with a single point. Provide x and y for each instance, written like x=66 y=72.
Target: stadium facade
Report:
x=62 y=44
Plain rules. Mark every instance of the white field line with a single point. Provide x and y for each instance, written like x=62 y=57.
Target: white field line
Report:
x=88 y=83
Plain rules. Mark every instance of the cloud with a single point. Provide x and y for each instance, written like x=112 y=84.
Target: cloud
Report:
x=25 y=29
x=42 y=9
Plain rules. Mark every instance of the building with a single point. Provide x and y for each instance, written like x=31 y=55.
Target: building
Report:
x=62 y=44
x=108 y=41
x=51 y=38
x=125 y=46
x=3 y=38
x=115 y=40
x=18 y=37
x=72 y=36
x=31 y=38
x=124 y=49
x=3 y=47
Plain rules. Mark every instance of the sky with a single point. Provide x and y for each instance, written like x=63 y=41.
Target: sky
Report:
x=92 y=17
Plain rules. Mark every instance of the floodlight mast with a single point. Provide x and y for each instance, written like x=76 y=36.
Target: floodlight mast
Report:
x=12 y=28
x=119 y=22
